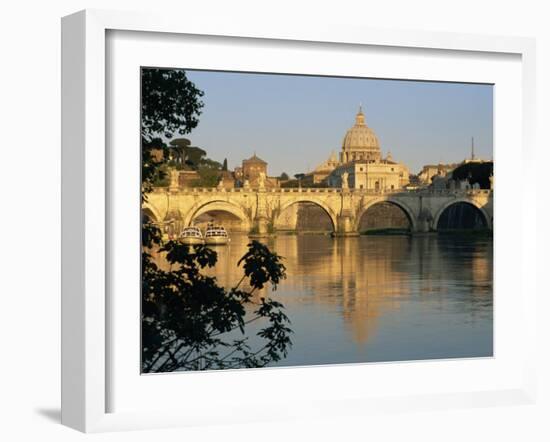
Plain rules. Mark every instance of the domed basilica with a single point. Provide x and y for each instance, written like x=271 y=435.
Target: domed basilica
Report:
x=360 y=142
x=361 y=165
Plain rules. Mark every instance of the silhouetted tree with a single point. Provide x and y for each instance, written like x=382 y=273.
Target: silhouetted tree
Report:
x=299 y=177
x=186 y=156
x=186 y=316
x=195 y=157
x=475 y=173
x=170 y=104
x=178 y=148
x=224 y=166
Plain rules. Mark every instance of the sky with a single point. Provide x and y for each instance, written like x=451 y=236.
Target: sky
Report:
x=295 y=122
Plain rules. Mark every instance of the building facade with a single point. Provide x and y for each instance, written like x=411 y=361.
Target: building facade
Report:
x=380 y=175
x=253 y=173
x=321 y=172
x=361 y=164
x=431 y=170
x=360 y=142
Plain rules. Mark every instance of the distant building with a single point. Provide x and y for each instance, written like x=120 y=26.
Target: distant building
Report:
x=253 y=170
x=372 y=175
x=227 y=180
x=253 y=167
x=440 y=176
x=186 y=178
x=361 y=165
x=321 y=172
x=360 y=142
x=440 y=181
x=431 y=170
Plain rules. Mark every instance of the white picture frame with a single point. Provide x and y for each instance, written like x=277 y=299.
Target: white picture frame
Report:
x=86 y=315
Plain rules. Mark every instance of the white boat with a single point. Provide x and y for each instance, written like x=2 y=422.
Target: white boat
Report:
x=191 y=236
x=216 y=235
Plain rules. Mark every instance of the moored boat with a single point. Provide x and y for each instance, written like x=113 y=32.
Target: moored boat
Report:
x=216 y=235
x=191 y=236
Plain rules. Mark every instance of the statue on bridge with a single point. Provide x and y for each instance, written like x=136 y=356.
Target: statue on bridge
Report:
x=261 y=181
x=345 y=176
x=174 y=179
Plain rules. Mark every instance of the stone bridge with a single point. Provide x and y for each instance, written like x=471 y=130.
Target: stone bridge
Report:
x=259 y=210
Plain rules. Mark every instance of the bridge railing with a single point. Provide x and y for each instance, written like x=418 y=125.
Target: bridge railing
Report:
x=444 y=192
x=327 y=190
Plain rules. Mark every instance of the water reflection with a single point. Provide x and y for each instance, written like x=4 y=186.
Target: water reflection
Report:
x=380 y=298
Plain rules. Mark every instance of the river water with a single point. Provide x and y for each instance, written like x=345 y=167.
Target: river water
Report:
x=379 y=298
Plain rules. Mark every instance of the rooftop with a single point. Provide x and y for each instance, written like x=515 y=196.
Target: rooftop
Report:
x=254 y=159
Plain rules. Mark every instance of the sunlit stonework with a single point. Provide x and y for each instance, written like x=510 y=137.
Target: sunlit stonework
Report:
x=378 y=264
x=360 y=142
x=361 y=165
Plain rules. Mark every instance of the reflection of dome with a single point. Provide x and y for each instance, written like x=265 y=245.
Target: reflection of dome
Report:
x=360 y=136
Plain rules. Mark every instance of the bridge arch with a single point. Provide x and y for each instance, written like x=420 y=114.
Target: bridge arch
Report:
x=474 y=203
x=403 y=206
x=308 y=199
x=151 y=212
x=218 y=205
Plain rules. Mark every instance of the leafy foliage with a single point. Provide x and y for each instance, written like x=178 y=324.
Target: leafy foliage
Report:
x=178 y=152
x=185 y=156
x=209 y=173
x=189 y=322
x=475 y=173
x=170 y=104
x=188 y=319
x=207 y=178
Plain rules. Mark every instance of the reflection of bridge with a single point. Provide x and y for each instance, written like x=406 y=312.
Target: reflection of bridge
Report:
x=259 y=210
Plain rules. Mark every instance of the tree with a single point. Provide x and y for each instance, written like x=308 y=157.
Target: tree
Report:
x=187 y=317
x=178 y=149
x=207 y=163
x=299 y=177
x=224 y=166
x=170 y=103
x=187 y=156
x=208 y=177
x=475 y=173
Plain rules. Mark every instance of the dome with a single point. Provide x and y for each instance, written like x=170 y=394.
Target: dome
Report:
x=360 y=136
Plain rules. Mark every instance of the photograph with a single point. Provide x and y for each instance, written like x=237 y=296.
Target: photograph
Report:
x=303 y=220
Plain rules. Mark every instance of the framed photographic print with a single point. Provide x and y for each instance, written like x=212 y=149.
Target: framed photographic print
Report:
x=353 y=259
x=307 y=213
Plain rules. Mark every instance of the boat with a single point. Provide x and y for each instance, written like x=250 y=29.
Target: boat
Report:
x=191 y=236
x=216 y=235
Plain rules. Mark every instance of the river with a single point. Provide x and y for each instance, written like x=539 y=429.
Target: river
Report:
x=379 y=298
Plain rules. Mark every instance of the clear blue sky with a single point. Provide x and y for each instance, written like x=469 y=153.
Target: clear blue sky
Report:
x=295 y=122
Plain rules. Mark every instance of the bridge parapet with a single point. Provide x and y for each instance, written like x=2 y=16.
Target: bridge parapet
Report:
x=345 y=207
x=461 y=192
x=327 y=190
